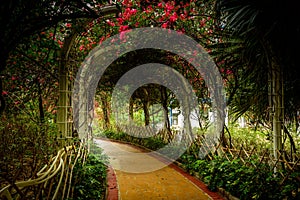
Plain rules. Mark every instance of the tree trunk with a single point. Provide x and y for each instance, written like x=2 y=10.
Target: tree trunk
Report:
x=164 y=101
x=131 y=109
x=106 y=111
x=146 y=106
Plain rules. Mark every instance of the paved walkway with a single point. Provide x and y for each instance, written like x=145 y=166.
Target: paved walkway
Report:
x=137 y=175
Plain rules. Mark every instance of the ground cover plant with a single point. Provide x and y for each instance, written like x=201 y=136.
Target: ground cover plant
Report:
x=90 y=177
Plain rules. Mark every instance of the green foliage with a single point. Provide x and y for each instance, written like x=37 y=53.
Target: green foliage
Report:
x=90 y=178
x=25 y=147
x=256 y=137
x=253 y=180
x=139 y=117
x=246 y=49
x=152 y=143
x=243 y=181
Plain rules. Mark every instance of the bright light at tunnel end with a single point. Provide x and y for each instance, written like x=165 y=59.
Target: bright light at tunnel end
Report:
x=180 y=44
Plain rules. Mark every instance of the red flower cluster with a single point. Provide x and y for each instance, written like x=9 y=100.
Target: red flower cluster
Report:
x=174 y=17
x=123 y=28
x=128 y=13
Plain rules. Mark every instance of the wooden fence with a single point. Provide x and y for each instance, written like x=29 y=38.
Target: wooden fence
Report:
x=53 y=181
x=286 y=162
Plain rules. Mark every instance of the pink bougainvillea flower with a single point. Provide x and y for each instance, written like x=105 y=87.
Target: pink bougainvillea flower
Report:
x=160 y=5
x=123 y=35
x=4 y=93
x=120 y=20
x=127 y=3
x=133 y=11
x=128 y=13
x=169 y=6
x=101 y=40
x=181 y=31
x=123 y=28
x=174 y=17
x=69 y=25
x=81 y=48
x=164 y=25
x=13 y=78
x=166 y=14
x=60 y=43
x=182 y=16
x=228 y=72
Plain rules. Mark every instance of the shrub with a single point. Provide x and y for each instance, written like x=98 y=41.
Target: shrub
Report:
x=25 y=148
x=90 y=178
x=246 y=181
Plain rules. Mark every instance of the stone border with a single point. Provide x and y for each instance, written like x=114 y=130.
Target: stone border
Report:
x=112 y=191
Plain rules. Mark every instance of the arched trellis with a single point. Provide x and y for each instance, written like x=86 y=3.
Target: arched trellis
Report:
x=64 y=113
x=102 y=56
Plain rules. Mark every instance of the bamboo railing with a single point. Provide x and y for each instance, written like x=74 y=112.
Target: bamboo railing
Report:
x=245 y=154
x=53 y=181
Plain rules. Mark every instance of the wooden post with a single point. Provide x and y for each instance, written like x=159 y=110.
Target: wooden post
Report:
x=64 y=103
x=277 y=109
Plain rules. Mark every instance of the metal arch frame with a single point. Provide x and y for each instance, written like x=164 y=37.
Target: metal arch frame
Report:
x=65 y=125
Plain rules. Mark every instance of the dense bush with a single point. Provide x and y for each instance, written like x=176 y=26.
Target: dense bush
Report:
x=152 y=143
x=25 y=148
x=90 y=178
x=244 y=181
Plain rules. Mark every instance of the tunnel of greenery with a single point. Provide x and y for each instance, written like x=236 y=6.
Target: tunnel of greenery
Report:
x=253 y=44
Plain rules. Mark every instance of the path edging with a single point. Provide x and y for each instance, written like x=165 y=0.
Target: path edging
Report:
x=112 y=190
